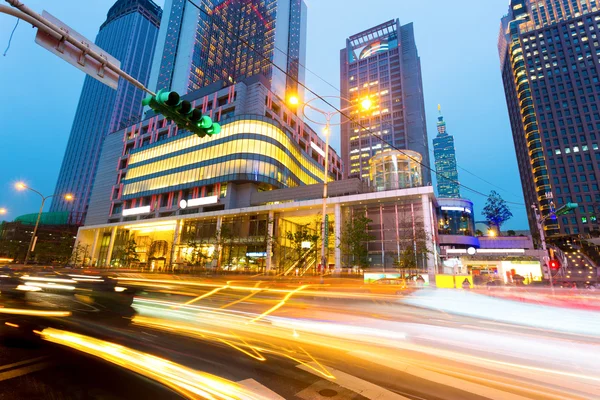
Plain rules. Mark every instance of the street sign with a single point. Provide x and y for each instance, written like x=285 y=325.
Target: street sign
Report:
x=326 y=230
x=75 y=56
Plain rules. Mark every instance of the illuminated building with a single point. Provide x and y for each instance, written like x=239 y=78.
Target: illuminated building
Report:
x=128 y=34
x=382 y=63
x=395 y=170
x=549 y=57
x=445 y=161
x=196 y=48
x=229 y=200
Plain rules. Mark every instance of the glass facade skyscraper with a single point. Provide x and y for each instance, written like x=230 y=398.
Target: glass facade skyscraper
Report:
x=204 y=42
x=129 y=34
x=382 y=63
x=550 y=62
x=445 y=161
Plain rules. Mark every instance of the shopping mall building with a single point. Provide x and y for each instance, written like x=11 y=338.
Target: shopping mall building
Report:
x=164 y=199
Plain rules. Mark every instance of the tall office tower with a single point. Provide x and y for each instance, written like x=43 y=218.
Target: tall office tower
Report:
x=129 y=34
x=201 y=42
x=445 y=161
x=382 y=63
x=549 y=57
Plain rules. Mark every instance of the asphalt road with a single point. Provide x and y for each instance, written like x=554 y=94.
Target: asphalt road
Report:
x=287 y=342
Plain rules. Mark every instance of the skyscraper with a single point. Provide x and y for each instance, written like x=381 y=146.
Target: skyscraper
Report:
x=129 y=34
x=205 y=42
x=382 y=63
x=445 y=161
x=549 y=57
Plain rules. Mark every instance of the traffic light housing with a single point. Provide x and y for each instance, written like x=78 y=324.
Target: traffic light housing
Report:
x=182 y=113
x=567 y=208
x=553 y=264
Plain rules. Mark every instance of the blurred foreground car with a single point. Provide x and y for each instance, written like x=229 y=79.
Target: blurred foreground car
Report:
x=387 y=286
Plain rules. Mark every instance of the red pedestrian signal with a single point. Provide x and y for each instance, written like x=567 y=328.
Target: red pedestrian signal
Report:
x=554 y=264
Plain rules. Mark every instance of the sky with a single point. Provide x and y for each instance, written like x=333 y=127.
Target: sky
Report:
x=460 y=68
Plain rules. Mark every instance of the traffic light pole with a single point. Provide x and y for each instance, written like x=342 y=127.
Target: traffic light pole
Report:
x=538 y=220
x=35 y=19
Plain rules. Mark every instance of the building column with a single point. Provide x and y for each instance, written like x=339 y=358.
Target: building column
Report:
x=111 y=245
x=338 y=234
x=429 y=235
x=270 y=223
x=94 y=247
x=219 y=245
x=176 y=234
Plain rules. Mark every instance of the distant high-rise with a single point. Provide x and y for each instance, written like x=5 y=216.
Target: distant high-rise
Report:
x=445 y=161
x=199 y=47
x=382 y=63
x=550 y=62
x=129 y=34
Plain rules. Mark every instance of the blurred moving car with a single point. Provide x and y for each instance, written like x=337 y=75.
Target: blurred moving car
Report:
x=388 y=286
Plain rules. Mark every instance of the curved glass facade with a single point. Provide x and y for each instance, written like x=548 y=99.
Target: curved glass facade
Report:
x=396 y=170
x=247 y=149
x=455 y=217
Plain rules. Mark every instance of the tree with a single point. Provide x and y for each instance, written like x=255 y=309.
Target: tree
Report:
x=510 y=232
x=299 y=237
x=496 y=212
x=354 y=240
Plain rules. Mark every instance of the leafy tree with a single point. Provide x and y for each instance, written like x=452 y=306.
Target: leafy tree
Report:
x=496 y=212
x=354 y=240
x=511 y=233
x=478 y=232
x=302 y=234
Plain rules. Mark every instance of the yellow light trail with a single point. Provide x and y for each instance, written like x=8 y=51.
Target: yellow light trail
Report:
x=186 y=381
x=11 y=324
x=205 y=295
x=280 y=304
x=35 y=313
x=244 y=298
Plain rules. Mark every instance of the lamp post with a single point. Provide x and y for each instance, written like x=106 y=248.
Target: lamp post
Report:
x=22 y=186
x=328 y=115
x=3 y=211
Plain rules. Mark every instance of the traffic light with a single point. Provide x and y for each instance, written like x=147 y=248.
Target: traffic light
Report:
x=554 y=264
x=567 y=208
x=182 y=113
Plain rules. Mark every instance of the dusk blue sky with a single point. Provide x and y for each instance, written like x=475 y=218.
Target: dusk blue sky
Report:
x=460 y=69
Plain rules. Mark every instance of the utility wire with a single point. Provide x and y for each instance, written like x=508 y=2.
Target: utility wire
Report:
x=10 y=38
x=341 y=112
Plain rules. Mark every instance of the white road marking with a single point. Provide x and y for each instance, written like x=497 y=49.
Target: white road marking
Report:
x=259 y=389
x=357 y=385
x=30 y=361
x=439 y=378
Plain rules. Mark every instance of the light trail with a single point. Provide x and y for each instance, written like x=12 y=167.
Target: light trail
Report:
x=280 y=304
x=239 y=301
x=216 y=290
x=186 y=381
x=34 y=313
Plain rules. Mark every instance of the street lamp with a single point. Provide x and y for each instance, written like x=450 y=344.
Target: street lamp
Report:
x=294 y=101
x=22 y=186
x=3 y=211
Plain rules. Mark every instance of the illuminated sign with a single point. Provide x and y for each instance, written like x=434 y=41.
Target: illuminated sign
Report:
x=306 y=245
x=202 y=201
x=317 y=149
x=450 y=208
x=257 y=254
x=136 y=211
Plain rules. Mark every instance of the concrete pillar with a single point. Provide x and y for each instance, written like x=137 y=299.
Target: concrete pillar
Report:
x=429 y=234
x=270 y=223
x=94 y=247
x=338 y=234
x=176 y=234
x=111 y=245
x=219 y=245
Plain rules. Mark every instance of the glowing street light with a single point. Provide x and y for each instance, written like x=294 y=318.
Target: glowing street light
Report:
x=366 y=104
x=22 y=186
x=491 y=233
x=293 y=100
x=3 y=211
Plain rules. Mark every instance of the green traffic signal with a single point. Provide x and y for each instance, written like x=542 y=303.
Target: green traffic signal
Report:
x=182 y=113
